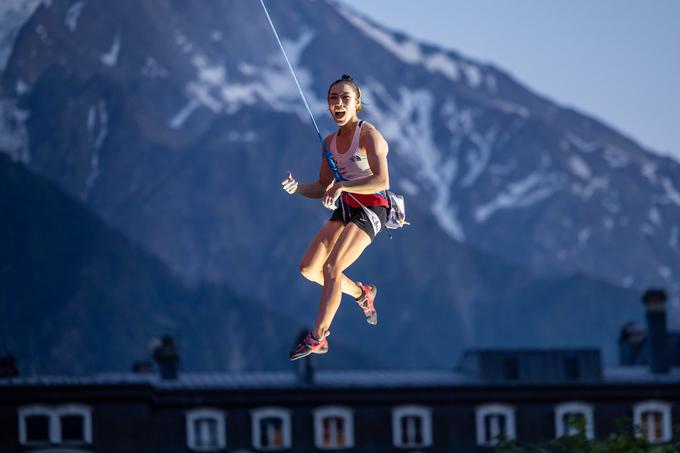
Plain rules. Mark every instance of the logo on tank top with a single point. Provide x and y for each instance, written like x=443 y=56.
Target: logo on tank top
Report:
x=356 y=158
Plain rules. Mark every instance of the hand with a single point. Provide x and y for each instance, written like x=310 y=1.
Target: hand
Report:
x=289 y=184
x=332 y=195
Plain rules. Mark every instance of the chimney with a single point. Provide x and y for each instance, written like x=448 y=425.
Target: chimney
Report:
x=166 y=356
x=8 y=366
x=657 y=336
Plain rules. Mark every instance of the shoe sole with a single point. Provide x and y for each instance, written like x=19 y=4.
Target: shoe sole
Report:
x=301 y=355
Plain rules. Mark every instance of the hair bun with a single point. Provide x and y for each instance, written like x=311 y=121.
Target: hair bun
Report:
x=347 y=77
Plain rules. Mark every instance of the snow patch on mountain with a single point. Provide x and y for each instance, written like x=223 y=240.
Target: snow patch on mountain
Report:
x=648 y=170
x=616 y=157
x=508 y=107
x=97 y=130
x=13 y=132
x=579 y=167
x=180 y=117
x=215 y=90
x=440 y=62
x=183 y=42
x=406 y=121
x=654 y=216
x=583 y=236
x=110 y=58
x=478 y=158
x=580 y=143
x=242 y=136
x=533 y=188
x=153 y=69
x=585 y=190
x=473 y=74
x=21 y=88
x=72 y=15
x=671 y=194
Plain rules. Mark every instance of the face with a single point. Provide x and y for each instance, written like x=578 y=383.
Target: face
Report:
x=343 y=103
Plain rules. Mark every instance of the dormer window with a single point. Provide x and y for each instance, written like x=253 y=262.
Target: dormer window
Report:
x=333 y=428
x=411 y=427
x=569 y=417
x=494 y=422
x=205 y=430
x=69 y=424
x=271 y=429
x=654 y=420
x=36 y=428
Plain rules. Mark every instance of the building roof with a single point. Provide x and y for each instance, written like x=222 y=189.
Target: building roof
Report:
x=322 y=378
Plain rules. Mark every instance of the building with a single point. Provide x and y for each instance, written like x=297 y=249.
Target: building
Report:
x=527 y=395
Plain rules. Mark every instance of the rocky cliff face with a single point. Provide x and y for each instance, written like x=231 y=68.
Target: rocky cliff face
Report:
x=176 y=122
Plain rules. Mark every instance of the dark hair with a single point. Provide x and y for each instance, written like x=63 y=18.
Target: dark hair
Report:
x=346 y=78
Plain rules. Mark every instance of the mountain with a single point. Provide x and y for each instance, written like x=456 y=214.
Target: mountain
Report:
x=175 y=123
x=76 y=296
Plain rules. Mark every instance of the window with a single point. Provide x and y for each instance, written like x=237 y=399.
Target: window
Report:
x=333 y=428
x=205 y=430
x=569 y=416
x=411 y=427
x=69 y=424
x=37 y=428
x=494 y=422
x=654 y=420
x=271 y=429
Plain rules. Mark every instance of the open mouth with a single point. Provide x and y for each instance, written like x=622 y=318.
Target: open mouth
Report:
x=339 y=114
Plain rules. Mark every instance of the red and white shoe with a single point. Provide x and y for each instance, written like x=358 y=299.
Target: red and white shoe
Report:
x=310 y=345
x=366 y=302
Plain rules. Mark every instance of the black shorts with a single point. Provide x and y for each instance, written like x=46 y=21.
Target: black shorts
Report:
x=359 y=217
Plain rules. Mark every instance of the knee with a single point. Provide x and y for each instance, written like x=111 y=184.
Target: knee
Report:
x=309 y=272
x=330 y=270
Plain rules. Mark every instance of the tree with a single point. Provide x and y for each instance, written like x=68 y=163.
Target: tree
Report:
x=626 y=439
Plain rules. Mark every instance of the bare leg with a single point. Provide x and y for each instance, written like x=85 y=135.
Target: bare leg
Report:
x=311 y=266
x=348 y=247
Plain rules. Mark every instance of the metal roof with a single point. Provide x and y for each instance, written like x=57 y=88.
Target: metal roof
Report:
x=322 y=378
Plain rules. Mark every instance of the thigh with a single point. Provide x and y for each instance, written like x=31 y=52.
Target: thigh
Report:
x=348 y=247
x=323 y=243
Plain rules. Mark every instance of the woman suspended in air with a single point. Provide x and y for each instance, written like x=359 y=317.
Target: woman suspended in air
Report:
x=359 y=152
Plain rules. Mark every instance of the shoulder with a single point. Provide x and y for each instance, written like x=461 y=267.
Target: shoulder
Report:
x=370 y=135
x=327 y=140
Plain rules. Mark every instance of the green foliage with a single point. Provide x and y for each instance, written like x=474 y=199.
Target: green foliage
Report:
x=626 y=439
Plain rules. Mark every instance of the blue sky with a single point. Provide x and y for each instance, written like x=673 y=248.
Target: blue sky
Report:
x=616 y=60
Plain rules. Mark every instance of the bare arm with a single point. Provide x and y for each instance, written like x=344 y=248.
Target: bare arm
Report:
x=314 y=189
